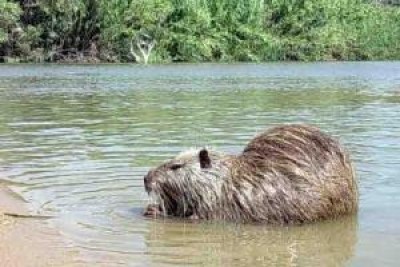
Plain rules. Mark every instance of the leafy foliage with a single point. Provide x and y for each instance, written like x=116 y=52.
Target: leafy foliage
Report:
x=200 y=30
x=9 y=27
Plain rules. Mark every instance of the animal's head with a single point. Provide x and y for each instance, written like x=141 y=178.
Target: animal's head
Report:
x=182 y=184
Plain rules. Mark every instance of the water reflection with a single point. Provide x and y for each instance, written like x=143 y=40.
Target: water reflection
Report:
x=323 y=244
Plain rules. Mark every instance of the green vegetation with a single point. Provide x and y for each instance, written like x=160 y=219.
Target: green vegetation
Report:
x=198 y=30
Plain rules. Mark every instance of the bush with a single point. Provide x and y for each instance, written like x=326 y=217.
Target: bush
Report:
x=199 y=30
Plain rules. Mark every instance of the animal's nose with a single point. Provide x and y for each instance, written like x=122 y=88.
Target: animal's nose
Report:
x=147 y=182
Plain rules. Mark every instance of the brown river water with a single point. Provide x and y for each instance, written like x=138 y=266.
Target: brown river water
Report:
x=75 y=142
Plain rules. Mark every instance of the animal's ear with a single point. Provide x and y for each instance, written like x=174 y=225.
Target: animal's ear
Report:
x=204 y=158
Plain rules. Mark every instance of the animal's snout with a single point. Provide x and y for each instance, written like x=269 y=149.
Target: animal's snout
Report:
x=147 y=182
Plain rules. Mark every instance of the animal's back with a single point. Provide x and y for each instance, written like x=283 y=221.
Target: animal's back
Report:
x=298 y=173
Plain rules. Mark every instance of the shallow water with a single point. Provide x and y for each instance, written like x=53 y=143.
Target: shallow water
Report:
x=75 y=141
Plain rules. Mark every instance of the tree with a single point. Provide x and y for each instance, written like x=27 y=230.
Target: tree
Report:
x=10 y=29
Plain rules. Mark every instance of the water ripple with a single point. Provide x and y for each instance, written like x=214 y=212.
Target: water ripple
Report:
x=76 y=141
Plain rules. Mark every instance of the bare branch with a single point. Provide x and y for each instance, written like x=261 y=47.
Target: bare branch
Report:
x=145 y=45
x=136 y=56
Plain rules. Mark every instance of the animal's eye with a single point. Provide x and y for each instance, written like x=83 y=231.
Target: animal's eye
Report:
x=176 y=166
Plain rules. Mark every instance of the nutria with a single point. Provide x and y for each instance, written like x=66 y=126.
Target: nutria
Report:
x=290 y=174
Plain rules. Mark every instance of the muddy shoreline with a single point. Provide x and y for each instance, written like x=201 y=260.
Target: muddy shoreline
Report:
x=27 y=240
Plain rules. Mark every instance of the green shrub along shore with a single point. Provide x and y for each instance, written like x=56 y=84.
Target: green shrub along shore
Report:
x=198 y=30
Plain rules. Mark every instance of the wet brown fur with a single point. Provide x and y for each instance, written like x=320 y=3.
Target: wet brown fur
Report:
x=288 y=174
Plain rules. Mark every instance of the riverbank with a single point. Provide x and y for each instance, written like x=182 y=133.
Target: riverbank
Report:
x=165 y=31
x=28 y=241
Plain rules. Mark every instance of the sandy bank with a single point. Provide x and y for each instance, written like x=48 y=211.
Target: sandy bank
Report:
x=28 y=241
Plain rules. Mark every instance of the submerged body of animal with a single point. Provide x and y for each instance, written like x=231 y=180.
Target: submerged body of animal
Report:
x=288 y=174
